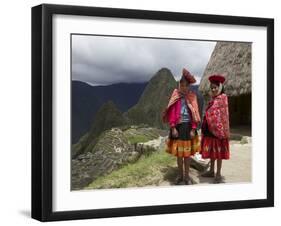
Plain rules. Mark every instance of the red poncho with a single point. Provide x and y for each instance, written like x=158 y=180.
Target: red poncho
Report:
x=217 y=116
x=191 y=100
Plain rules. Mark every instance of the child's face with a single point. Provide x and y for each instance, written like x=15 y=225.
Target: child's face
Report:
x=214 y=89
x=184 y=87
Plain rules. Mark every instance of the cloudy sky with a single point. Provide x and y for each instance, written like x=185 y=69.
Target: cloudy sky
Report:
x=104 y=60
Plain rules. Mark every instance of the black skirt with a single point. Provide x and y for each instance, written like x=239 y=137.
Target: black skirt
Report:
x=183 y=145
x=183 y=129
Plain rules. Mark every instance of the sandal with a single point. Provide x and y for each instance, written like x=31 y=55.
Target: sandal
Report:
x=219 y=179
x=189 y=181
x=179 y=180
x=208 y=174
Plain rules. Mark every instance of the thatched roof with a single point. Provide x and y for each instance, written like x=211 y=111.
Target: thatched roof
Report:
x=233 y=59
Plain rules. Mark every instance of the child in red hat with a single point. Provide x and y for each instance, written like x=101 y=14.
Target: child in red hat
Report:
x=183 y=117
x=215 y=128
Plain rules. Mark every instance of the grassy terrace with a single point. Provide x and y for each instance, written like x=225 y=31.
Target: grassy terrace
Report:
x=148 y=170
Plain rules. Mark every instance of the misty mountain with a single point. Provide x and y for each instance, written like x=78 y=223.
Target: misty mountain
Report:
x=87 y=100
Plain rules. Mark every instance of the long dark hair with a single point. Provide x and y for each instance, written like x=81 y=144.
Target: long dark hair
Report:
x=183 y=79
x=222 y=90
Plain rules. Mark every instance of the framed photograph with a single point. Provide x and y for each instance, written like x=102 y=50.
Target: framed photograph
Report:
x=138 y=112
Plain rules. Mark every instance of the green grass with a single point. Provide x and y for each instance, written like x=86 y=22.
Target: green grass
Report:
x=148 y=170
x=134 y=135
x=138 y=139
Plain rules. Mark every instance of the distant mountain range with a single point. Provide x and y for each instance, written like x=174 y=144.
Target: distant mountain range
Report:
x=87 y=100
x=97 y=108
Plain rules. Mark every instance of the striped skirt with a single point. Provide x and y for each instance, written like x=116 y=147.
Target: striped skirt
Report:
x=214 y=148
x=182 y=145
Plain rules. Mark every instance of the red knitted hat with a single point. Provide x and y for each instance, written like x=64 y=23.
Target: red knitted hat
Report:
x=189 y=77
x=216 y=78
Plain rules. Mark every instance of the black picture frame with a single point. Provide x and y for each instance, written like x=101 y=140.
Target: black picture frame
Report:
x=42 y=111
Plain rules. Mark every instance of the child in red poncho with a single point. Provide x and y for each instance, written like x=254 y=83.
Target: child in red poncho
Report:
x=215 y=128
x=182 y=115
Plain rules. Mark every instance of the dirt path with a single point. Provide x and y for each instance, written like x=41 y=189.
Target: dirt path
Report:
x=236 y=169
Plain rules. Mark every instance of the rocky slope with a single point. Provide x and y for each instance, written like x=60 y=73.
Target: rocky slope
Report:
x=114 y=148
x=108 y=116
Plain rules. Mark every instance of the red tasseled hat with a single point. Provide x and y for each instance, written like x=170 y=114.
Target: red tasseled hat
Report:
x=216 y=78
x=190 y=78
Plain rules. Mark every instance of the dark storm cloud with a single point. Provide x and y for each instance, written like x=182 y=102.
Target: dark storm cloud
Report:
x=102 y=60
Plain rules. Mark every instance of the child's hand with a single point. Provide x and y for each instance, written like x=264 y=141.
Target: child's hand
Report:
x=192 y=133
x=175 y=132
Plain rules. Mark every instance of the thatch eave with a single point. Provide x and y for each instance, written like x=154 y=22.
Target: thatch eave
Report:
x=233 y=60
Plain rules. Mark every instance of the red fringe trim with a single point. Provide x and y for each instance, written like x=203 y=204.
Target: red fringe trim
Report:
x=183 y=148
x=214 y=148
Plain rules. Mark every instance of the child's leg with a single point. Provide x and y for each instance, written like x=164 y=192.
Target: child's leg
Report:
x=212 y=167
x=186 y=166
x=180 y=166
x=218 y=177
x=219 y=165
